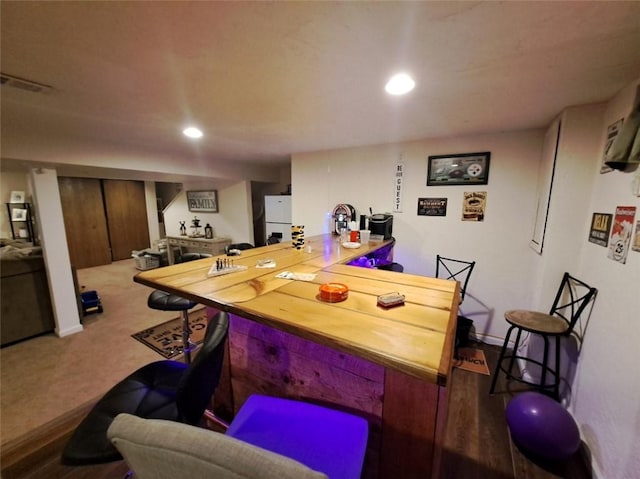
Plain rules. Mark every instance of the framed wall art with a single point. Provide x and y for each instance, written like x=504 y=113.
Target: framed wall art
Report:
x=202 y=201
x=18 y=214
x=458 y=169
x=17 y=197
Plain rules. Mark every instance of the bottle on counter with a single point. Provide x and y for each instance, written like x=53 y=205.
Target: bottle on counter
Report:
x=363 y=222
x=208 y=231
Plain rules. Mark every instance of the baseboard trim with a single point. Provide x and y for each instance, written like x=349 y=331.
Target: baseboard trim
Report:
x=38 y=444
x=487 y=339
x=69 y=331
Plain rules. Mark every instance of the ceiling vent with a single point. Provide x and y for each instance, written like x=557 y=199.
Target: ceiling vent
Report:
x=22 y=84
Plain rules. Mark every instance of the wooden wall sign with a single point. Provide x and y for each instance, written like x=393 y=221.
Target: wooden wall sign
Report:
x=202 y=201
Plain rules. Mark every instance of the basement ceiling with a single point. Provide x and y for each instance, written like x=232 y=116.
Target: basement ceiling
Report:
x=265 y=80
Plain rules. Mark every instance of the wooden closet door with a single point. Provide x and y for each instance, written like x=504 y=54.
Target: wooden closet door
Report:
x=84 y=222
x=126 y=216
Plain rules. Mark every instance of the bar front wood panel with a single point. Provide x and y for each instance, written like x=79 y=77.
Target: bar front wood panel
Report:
x=409 y=427
x=268 y=361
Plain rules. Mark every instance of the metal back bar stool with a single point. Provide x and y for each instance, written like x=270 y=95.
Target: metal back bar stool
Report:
x=572 y=298
x=455 y=269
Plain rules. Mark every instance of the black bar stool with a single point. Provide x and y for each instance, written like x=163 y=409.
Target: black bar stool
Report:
x=163 y=301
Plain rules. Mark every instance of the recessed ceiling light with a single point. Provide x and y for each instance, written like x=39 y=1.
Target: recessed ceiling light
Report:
x=400 y=84
x=192 y=132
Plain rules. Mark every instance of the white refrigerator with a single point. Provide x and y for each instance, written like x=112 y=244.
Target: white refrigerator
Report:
x=277 y=216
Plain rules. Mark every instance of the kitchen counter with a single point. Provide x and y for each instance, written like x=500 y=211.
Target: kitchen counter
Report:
x=405 y=352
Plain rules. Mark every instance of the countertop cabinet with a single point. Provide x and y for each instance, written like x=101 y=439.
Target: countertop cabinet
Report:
x=212 y=246
x=21 y=221
x=26 y=309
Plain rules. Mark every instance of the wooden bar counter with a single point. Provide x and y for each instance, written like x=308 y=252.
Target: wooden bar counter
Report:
x=390 y=366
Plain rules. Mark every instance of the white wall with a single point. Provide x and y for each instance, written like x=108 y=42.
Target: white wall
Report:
x=364 y=177
x=233 y=220
x=569 y=219
x=55 y=250
x=567 y=230
x=607 y=386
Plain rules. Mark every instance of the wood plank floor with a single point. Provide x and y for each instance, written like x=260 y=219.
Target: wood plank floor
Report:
x=477 y=444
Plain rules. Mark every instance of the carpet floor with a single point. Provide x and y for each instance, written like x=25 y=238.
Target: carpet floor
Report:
x=47 y=376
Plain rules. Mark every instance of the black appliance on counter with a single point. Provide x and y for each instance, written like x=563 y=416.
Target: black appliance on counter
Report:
x=381 y=224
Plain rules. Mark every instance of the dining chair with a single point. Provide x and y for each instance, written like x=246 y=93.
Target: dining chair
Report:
x=165 y=389
x=269 y=438
x=238 y=246
x=273 y=240
x=156 y=449
x=186 y=257
x=570 y=301
x=455 y=269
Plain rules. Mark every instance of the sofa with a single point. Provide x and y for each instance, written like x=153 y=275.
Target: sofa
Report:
x=25 y=301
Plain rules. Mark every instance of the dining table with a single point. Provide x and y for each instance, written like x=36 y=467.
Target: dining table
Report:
x=389 y=364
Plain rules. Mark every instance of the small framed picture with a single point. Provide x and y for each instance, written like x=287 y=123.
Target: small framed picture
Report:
x=17 y=197
x=458 y=169
x=202 y=201
x=18 y=214
x=474 y=204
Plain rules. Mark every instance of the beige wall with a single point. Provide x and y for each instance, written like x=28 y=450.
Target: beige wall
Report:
x=234 y=219
x=607 y=386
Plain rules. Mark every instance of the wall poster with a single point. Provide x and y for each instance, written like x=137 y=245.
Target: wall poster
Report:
x=636 y=240
x=600 y=228
x=621 y=233
x=432 y=206
x=459 y=169
x=474 y=204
